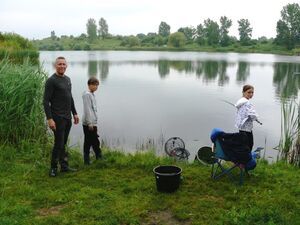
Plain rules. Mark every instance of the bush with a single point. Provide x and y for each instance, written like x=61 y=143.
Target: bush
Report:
x=296 y=51
x=177 y=40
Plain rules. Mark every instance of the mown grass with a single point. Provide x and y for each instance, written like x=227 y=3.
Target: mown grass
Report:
x=120 y=189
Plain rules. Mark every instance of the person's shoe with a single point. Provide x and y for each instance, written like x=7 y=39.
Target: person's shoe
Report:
x=68 y=169
x=53 y=172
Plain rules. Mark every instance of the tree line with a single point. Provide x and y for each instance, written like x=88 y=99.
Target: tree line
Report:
x=209 y=33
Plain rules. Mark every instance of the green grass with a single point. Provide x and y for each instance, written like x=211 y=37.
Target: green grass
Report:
x=120 y=189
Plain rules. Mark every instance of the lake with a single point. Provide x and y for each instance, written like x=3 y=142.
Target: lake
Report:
x=147 y=97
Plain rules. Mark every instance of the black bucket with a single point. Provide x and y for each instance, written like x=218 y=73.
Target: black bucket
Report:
x=167 y=178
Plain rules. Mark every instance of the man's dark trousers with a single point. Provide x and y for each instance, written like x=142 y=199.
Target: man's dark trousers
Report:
x=61 y=135
x=90 y=140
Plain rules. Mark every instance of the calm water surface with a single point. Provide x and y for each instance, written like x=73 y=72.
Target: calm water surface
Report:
x=147 y=97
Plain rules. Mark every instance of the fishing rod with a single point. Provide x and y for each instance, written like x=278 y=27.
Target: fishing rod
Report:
x=230 y=103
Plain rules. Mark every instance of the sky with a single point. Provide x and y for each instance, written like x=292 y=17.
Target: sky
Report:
x=35 y=19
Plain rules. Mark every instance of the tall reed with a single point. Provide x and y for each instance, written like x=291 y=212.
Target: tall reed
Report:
x=17 y=48
x=19 y=56
x=21 y=112
x=289 y=144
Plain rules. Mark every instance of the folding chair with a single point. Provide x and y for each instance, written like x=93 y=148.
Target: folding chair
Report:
x=218 y=170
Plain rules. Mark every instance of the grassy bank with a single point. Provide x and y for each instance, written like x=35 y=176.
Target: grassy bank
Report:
x=120 y=189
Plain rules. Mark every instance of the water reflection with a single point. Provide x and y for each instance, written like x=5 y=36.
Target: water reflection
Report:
x=286 y=79
x=163 y=68
x=199 y=69
x=182 y=66
x=243 y=71
x=104 y=69
x=223 y=77
x=92 y=69
x=209 y=69
x=286 y=76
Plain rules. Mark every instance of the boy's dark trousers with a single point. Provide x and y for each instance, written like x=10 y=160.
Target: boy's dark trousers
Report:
x=61 y=135
x=90 y=140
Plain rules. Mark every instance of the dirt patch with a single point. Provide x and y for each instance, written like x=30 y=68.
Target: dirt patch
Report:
x=55 y=210
x=163 y=218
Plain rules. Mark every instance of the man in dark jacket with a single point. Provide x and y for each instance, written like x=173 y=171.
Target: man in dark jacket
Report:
x=58 y=105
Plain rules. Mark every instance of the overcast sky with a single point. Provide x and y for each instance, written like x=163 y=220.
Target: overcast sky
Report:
x=37 y=18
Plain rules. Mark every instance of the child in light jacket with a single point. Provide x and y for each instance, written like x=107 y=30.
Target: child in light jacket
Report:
x=246 y=114
x=89 y=121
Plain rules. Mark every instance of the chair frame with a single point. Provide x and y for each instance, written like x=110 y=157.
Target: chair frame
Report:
x=218 y=170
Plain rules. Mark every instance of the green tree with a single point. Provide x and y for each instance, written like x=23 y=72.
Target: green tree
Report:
x=130 y=41
x=141 y=36
x=177 y=39
x=53 y=36
x=262 y=39
x=288 y=28
x=283 y=36
x=189 y=33
x=91 y=28
x=200 y=34
x=146 y=39
x=103 y=28
x=82 y=36
x=133 y=41
x=159 y=40
x=245 y=31
x=212 y=32
x=225 y=25
x=164 y=29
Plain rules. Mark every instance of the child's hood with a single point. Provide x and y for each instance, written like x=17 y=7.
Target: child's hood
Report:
x=241 y=102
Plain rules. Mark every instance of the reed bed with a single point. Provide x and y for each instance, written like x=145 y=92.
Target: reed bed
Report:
x=289 y=144
x=19 y=56
x=21 y=112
